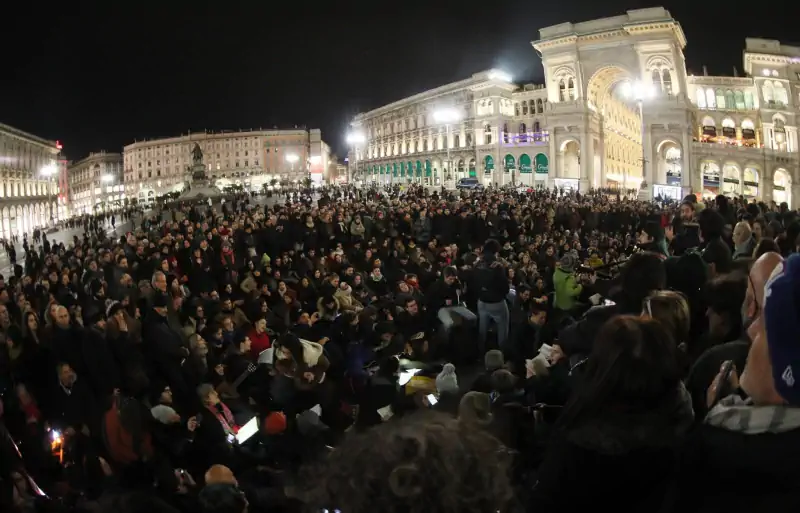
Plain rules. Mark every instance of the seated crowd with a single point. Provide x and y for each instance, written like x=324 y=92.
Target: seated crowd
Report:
x=388 y=350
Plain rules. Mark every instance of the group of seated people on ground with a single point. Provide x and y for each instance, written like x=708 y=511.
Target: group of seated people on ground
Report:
x=388 y=349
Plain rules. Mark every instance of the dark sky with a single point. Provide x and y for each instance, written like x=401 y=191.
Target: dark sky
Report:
x=100 y=76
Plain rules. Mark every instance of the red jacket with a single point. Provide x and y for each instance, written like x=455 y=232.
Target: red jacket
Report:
x=258 y=343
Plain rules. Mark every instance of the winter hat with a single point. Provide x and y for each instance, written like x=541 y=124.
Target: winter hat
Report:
x=275 y=423
x=782 y=322
x=493 y=360
x=446 y=381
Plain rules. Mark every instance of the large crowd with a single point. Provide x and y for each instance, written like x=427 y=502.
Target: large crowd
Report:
x=402 y=350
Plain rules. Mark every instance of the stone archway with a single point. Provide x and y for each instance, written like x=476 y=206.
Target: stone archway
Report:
x=613 y=93
x=782 y=187
x=569 y=159
x=668 y=163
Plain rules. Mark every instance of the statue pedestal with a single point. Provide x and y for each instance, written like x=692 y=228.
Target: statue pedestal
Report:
x=200 y=184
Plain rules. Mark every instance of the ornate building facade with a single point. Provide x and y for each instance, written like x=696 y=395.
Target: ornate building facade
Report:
x=95 y=183
x=617 y=109
x=29 y=182
x=248 y=158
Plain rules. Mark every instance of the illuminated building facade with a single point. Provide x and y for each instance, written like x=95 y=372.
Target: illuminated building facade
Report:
x=29 y=182
x=248 y=158
x=95 y=183
x=618 y=109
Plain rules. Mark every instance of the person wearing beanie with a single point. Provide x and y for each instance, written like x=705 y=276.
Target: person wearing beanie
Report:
x=492 y=361
x=758 y=438
x=274 y=423
x=447 y=381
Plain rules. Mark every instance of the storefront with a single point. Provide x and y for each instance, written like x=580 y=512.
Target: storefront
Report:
x=542 y=166
x=667 y=191
x=525 y=169
x=568 y=184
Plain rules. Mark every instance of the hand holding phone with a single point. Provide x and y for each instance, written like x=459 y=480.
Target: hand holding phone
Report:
x=724 y=384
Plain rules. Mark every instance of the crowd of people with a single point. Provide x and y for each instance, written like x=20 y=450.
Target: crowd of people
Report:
x=401 y=350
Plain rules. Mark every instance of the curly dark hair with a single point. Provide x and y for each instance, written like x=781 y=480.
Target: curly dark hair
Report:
x=427 y=462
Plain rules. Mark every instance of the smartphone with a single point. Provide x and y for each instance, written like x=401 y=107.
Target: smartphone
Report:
x=432 y=400
x=608 y=302
x=724 y=388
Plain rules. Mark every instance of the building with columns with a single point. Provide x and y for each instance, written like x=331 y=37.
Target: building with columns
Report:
x=250 y=158
x=618 y=109
x=29 y=182
x=96 y=183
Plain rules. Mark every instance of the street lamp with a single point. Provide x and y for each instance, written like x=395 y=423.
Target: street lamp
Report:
x=448 y=116
x=354 y=139
x=638 y=91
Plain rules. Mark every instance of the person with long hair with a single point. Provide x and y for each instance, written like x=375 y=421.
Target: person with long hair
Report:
x=618 y=436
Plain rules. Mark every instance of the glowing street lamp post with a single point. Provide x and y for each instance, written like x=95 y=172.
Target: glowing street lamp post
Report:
x=448 y=116
x=354 y=139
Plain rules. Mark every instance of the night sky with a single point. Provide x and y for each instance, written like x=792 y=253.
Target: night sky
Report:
x=103 y=75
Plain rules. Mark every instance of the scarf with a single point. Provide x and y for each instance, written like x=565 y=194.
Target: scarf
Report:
x=225 y=418
x=742 y=416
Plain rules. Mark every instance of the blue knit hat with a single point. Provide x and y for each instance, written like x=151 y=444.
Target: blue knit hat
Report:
x=782 y=322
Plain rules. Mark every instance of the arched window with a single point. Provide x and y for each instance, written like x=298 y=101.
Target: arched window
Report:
x=505 y=133
x=720 y=99
x=781 y=96
x=456 y=141
x=709 y=126
x=562 y=90
x=701 y=98
x=571 y=88
x=523 y=133
x=516 y=109
x=739 y=98
x=749 y=104
x=666 y=79
x=711 y=100
x=525 y=108
x=729 y=128
x=487 y=134
x=539 y=106
x=536 y=128
x=768 y=92
x=729 y=99
x=656 y=77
